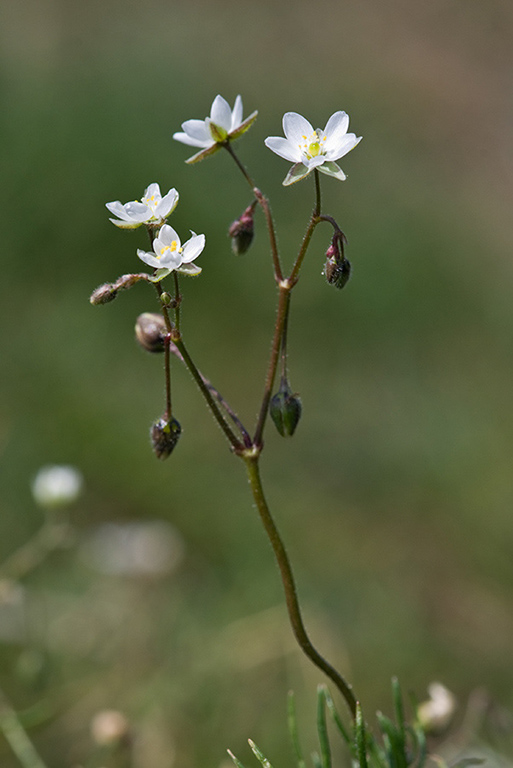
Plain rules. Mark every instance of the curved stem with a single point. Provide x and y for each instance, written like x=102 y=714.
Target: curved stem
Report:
x=251 y=460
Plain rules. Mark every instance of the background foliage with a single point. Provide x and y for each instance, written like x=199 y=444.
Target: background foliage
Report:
x=395 y=495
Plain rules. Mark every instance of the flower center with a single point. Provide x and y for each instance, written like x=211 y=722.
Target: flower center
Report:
x=150 y=202
x=312 y=146
x=174 y=248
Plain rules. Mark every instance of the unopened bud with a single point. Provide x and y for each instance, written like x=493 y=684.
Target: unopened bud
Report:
x=151 y=331
x=285 y=410
x=103 y=294
x=164 y=436
x=337 y=272
x=108 y=291
x=337 y=268
x=242 y=231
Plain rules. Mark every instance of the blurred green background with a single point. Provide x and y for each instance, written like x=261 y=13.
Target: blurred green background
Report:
x=395 y=495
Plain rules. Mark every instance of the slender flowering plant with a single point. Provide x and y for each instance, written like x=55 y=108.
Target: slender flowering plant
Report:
x=312 y=152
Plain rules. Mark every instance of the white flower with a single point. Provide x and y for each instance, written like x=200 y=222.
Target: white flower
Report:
x=308 y=148
x=57 y=486
x=152 y=208
x=436 y=713
x=170 y=254
x=210 y=134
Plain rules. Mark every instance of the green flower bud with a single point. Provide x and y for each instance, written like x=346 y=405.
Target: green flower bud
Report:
x=242 y=231
x=164 y=436
x=151 y=331
x=285 y=410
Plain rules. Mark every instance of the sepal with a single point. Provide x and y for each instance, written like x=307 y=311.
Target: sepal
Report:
x=244 y=126
x=296 y=173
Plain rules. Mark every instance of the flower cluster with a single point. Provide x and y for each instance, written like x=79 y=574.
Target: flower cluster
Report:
x=168 y=252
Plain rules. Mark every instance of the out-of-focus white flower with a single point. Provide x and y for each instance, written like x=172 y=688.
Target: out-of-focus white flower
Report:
x=152 y=208
x=169 y=254
x=436 y=713
x=223 y=125
x=57 y=486
x=151 y=548
x=308 y=148
x=109 y=727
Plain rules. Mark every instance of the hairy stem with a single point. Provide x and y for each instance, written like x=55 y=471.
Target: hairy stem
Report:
x=190 y=365
x=264 y=204
x=281 y=323
x=251 y=459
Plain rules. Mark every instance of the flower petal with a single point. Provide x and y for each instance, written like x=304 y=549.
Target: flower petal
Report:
x=167 y=204
x=295 y=127
x=284 y=148
x=220 y=113
x=167 y=235
x=138 y=211
x=332 y=169
x=348 y=143
x=192 y=248
x=153 y=191
x=336 y=129
x=118 y=209
x=149 y=258
x=196 y=133
x=236 y=114
x=296 y=173
x=314 y=162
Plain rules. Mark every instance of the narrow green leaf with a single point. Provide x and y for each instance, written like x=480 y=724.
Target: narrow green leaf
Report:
x=259 y=755
x=361 y=746
x=336 y=719
x=235 y=759
x=398 y=706
x=322 y=729
x=293 y=730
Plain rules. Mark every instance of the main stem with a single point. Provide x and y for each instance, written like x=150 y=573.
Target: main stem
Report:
x=251 y=460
